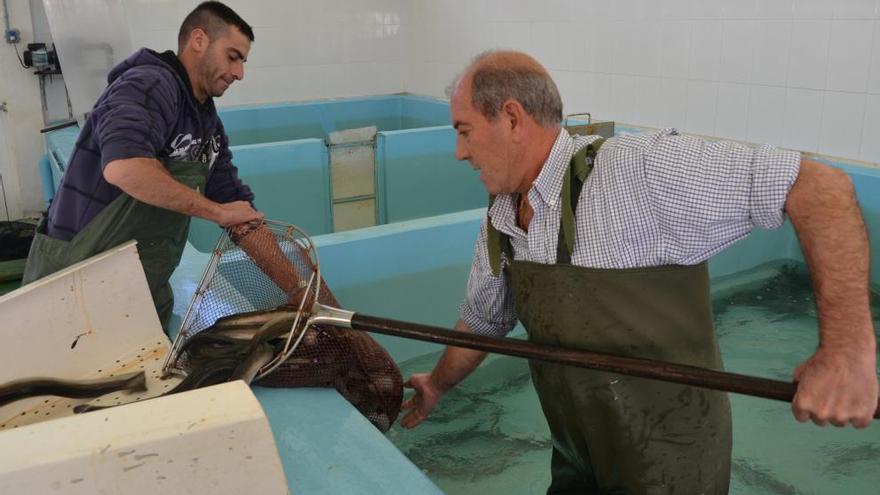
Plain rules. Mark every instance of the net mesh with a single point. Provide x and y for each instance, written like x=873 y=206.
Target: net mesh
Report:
x=237 y=292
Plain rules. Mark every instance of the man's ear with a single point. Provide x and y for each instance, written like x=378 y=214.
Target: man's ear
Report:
x=513 y=114
x=198 y=40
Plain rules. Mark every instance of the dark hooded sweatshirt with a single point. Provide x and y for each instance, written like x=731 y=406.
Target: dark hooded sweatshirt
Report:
x=148 y=110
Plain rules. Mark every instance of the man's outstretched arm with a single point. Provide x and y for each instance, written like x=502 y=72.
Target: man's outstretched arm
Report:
x=838 y=384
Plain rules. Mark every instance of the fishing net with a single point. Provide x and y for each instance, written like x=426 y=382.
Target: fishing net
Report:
x=235 y=299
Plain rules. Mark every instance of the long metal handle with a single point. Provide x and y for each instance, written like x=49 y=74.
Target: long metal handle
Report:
x=643 y=368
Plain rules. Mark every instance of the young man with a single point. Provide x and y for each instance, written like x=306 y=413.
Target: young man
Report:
x=153 y=153
x=603 y=247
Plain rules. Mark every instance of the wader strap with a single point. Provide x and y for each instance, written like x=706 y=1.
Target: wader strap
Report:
x=493 y=241
x=578 y=170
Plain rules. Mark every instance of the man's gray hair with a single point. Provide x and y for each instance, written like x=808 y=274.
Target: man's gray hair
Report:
x=498 y=76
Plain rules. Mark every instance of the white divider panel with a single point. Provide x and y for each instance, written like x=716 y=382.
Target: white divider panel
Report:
x=94 y=319
x=214 y=440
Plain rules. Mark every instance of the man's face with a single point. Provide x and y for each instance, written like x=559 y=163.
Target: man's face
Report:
x=223 y=61
x=485 y=143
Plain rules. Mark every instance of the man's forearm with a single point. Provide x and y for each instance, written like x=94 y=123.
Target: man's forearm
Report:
x=456 y=363
x=826 y=216
x=146 y=180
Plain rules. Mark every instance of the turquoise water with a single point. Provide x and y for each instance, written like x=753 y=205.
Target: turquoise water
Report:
x=488 y=435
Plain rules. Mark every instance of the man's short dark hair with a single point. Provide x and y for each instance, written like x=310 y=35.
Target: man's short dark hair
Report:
x=214 y=18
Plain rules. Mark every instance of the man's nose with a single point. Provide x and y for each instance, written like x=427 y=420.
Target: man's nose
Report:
x=461 y=152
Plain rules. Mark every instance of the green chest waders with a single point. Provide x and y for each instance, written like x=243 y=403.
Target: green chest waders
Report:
x=614 y=434
x=160 y=235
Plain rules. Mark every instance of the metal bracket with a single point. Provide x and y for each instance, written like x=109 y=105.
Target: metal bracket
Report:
x=3 y=107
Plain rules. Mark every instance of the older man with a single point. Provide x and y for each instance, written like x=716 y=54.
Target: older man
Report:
x=604 y=247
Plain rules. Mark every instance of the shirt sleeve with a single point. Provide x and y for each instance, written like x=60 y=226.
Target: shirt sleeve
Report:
x=488 y=307
x=135 y=115
x=706 y=195
x=224 y=185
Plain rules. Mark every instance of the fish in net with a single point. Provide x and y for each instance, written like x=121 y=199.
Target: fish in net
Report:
x=240 y=324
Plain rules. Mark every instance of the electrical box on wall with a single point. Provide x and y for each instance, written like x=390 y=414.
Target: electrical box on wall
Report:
x=12 y=35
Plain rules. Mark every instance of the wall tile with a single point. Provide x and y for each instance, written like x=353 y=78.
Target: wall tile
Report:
x=475 y=10
x=849 y=55
x=856 y=9
x=626 y=48
x=650 y=10
x=701 y=106
x=842 y=121
x=803 y=119
x=649 y=100
x=591 y=10
x=706 y=9
x=265 y=85
x=553 y=10
x=273 y=49
x=623 y=10
x=601 y=48
x=675 y=46
x=673 y=109
x=157 y=40
x=600 y=104
x=473 y=40
x=624 y=91
x=550 y=44
x=874 y=72
x=809 y=54
x=647 y=48
x=774 y=9
x=705 y=46
x=578 y=96
x=676 y=9
x=870 y=146
x=514 y=11
x=153 y=15
x=565 y=83
x=737 y=50
x=813 y=9
x=512 y=35
x=739 y=9
x=766 y=110
x=771 y=53
x=732 y=113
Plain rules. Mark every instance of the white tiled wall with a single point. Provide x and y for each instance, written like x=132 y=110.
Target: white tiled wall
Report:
x=803 y=74
x=303 y=49
x=21 y=142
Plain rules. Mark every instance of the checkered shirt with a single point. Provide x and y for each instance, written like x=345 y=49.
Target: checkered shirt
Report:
x=652 y=199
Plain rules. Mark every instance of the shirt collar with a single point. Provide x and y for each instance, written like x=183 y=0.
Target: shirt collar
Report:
x=548 y=184
x=549 y=180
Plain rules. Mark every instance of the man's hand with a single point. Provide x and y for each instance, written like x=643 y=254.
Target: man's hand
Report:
x=454 y=365
x=836 y=386
x=236 y=212
x=427 y=395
